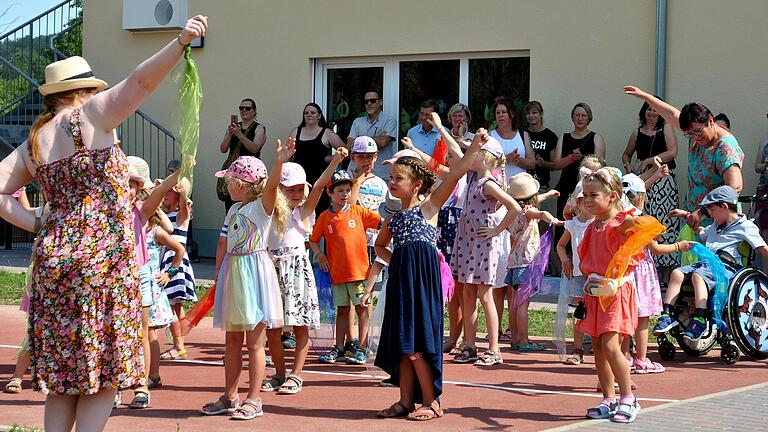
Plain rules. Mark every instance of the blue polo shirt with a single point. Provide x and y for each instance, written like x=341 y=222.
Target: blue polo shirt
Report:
x=424 y=141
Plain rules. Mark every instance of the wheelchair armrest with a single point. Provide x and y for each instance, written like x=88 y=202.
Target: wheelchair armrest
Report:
x=728 y=259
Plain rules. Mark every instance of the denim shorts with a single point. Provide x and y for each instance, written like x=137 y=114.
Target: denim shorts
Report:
x=514 y=276
x=704 y=271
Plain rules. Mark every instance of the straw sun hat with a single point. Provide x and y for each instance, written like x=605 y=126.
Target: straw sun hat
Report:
x=69 y=74
x=523 y=186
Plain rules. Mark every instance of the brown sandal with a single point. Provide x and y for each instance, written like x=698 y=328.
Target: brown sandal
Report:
x=13 y=386
x=395 y=410
x=467 y=354
x=426 y=412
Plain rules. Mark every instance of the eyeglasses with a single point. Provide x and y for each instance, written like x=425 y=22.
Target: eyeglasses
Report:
x=245 y=108
x=693 y=133
x=371 y=101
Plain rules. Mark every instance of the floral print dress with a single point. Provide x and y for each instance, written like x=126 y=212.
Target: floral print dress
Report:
x=85 y=300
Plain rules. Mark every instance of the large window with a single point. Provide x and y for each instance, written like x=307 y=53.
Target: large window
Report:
x=474 y=79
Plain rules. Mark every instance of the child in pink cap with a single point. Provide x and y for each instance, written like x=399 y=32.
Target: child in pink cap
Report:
x=247 y=299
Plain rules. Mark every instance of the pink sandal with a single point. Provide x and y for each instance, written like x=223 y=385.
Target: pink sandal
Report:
x=646 y=366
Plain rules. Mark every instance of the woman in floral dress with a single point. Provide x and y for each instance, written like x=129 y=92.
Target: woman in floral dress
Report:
x=85 y=307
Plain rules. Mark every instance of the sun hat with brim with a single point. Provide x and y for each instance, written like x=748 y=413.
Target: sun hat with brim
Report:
x=632 y=183
x=523 y=186
x=138 y=170
x=69 y=74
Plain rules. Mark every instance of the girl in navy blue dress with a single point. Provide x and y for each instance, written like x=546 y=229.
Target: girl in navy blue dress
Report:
x=411 y=344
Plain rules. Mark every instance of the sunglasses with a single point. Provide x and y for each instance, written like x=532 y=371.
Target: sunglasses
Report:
x=693 y=133
x=245 y=108
x=371 y=101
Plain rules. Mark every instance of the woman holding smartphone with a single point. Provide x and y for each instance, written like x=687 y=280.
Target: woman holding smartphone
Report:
x=244 y=138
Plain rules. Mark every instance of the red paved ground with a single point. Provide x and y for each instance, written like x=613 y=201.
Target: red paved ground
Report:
x=333 y=402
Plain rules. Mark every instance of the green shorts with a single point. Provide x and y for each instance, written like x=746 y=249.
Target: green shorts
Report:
x=347 y=292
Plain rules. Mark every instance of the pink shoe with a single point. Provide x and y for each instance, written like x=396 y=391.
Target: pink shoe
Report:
x=632 y=362
x=646 y=366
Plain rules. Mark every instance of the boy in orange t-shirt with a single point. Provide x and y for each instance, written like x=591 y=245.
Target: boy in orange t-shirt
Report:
x=343 y=228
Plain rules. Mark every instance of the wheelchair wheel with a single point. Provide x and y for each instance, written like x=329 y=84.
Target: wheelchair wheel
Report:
x=666 y=349
x=694 y=348
x=729 y=353
x=748 y=312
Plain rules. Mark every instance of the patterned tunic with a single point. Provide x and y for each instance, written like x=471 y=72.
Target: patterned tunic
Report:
x=85 y=301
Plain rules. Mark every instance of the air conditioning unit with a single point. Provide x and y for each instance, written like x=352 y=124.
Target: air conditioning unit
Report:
x=154 y=15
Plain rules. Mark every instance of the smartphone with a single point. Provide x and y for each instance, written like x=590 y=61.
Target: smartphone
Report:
x=233 y=119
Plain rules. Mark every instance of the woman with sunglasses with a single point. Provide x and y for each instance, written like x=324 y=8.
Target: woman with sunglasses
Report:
x=714 y=156
x=243 y=138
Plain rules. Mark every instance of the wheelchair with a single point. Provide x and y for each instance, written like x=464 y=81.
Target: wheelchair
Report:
x=745 y=314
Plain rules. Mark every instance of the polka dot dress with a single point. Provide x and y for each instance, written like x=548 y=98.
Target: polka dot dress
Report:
x=475 y=259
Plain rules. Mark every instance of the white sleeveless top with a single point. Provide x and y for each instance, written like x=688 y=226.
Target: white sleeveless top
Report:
x=509 y=145
x=296 y=234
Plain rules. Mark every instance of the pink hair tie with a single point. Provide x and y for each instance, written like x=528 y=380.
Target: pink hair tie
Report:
x=584 y=172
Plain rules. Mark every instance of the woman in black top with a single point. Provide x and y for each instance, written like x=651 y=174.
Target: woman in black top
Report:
x=656 y=138
x=571 y=148
x=314 y=141
x=244 y=138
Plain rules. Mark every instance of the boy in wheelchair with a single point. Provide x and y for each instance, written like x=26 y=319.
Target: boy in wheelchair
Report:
x=723 y=236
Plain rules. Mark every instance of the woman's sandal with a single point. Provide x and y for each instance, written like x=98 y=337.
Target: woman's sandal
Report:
x=292 y=385
x=489 y=358
x=173 y=354
x=467 y=354
x=426 y=412
x=248 y=410
x=602 y=411
x=626 y=413
x=140 y=400
x=154 y=382
x=223 y=405
x=395 y=410
x=13 y=386
x=576 y=357
x=272 y=384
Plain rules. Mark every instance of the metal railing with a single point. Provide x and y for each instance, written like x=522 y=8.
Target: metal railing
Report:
x=25 y=51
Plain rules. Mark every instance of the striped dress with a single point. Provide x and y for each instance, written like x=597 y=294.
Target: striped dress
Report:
x=182 y=286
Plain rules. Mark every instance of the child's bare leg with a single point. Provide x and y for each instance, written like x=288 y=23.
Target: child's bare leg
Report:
x=407 y=381
x=611 y=348
x=350 y=325
x=641 y=338
x=93 y=411
x=700 y=292
x=22 y=364
x=154 y=347
x=302 y=348
x=498 y=299
x=521 y=317
x=178 y=337
x=491 y=319
x=60 y=412
x=425 y=376
x=513 y=327
x=276 y=350
x=455 y=313
x=233 y=363
x=362 y=326
x=603 y=367
x=342 y=325
x=470 y=314
x=257 y=360
x=624 y=346
x=673 y=288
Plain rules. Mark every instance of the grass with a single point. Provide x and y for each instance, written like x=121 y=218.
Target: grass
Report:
x=11 y=287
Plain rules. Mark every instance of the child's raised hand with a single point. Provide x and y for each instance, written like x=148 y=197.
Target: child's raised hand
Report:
x=481 y=137
x=284 y=152
x=341 y=154
x=407 y=143
x=434 y=120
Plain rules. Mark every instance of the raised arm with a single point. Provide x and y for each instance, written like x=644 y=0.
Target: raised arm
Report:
x=408 y=144
x=670 y=113
x=450 y=142
x=283 y=153
x=319 y=187
x=436 y=199
x=152 y=203
x=182 y=217
x=111 y=107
